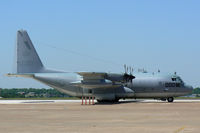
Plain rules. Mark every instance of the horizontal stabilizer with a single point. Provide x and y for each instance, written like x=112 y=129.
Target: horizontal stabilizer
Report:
x=20 y=75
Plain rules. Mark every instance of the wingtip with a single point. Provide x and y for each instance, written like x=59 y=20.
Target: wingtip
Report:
x=8 y=74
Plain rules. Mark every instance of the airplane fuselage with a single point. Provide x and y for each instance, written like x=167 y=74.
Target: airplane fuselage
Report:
x=145 y=85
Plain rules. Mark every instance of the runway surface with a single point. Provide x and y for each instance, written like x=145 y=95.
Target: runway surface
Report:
x=69 y=116
x=79 y=101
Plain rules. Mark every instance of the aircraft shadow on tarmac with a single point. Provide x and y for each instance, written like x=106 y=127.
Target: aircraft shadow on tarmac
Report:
x=144 y=101
x=120 y=102
x=39 y=102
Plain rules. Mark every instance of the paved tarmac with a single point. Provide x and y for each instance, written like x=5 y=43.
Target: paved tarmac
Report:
x=79 y=101
x=64 y=116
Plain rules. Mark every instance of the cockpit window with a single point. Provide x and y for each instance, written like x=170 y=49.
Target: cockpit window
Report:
x=178 y=82
x=173 y=79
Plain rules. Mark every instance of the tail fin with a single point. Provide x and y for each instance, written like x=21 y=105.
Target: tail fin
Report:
x=26 y=57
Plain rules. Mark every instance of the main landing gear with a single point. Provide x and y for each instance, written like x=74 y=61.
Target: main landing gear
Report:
x=169 y=99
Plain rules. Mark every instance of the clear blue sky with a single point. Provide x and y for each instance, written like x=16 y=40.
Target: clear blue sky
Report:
x=146 y=34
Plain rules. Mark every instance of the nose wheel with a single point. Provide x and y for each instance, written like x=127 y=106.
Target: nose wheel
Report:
x=170 y=99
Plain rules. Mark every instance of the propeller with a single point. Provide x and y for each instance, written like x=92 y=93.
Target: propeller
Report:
x=125 y=67
x=128 y=77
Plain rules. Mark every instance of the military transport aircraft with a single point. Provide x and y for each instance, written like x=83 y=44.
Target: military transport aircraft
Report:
x=103 y=86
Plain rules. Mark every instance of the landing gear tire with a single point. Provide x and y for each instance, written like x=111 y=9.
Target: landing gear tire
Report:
x=170 y=99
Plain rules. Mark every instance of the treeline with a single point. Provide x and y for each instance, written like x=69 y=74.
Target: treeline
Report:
x=196 y=91
x=30 y=92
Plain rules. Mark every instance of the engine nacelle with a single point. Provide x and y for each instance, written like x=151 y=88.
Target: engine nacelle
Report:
x=120 y=77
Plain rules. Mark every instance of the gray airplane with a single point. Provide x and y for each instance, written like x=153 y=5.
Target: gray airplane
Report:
x=101 y=85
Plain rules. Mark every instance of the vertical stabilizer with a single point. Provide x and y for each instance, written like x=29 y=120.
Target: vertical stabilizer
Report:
x=27 y=59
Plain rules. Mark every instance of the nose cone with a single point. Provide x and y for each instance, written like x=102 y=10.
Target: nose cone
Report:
x=189 y=89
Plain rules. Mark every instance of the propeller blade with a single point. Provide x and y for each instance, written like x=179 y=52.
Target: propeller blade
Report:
x=125 y=67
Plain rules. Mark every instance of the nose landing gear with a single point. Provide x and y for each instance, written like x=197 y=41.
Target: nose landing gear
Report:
x=170 y=99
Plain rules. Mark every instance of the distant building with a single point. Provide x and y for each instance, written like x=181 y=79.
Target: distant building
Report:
x=30 y=94
x=44 y=95
x=21 y=93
